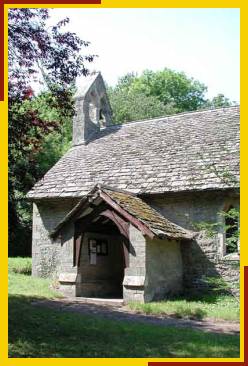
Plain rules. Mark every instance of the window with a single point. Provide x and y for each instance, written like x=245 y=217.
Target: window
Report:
x=102 y=120
x=97 y=247
x=231 y=217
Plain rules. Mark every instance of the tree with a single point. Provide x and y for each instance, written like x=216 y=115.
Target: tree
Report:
x=171 y=87
x=53 y=57
x=154 y=94
x=157 y=93
x=219 y=101
x=132 y=106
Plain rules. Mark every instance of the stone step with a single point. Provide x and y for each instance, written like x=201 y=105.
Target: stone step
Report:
x=95 y=300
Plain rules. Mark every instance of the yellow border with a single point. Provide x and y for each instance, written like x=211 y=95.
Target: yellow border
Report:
x=139 y=4
x=3 y=181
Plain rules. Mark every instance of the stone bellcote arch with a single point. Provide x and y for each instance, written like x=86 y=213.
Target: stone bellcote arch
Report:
x=92 y=109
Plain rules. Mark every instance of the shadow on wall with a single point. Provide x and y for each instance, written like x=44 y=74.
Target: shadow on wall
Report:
x=201 y=275
x=103 y=133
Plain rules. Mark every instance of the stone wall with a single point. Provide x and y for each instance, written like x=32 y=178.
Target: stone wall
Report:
x=51 y=257
x=164 y=269
x=134 y=280
x=203 y=258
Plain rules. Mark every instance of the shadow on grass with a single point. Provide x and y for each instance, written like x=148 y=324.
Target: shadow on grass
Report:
x=210 y=296
x=36 y=331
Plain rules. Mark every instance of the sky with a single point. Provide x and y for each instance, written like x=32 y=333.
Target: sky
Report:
x=204 y=43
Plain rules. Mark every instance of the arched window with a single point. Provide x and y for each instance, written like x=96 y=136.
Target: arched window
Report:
x=104 y=112
x=102 y=120
x=231 y=217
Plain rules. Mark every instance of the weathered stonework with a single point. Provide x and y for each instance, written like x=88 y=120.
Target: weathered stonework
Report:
x=164 y=269
x=202 y=257
x=133 y=285
x=93 y=110
x=157 y=268
x=49 y=257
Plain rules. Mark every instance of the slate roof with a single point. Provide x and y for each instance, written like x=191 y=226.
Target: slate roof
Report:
x=136 y=207
x=183 y=152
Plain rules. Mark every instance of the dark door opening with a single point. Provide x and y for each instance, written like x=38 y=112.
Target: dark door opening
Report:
x=102 y=261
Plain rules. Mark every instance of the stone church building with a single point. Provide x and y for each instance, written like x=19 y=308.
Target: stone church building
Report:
x=124 y=212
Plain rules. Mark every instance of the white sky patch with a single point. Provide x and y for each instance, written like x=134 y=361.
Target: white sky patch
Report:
x=204 y=43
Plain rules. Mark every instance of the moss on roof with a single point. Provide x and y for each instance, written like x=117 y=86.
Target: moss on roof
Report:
x=133 y=205
x=146 y=214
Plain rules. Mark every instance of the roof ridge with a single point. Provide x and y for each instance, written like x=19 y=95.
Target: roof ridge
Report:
x=168 y=116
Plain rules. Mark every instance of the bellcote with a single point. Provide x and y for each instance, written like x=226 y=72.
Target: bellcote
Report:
x=92 y=109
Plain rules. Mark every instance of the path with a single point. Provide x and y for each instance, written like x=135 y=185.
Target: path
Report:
x=115 y=310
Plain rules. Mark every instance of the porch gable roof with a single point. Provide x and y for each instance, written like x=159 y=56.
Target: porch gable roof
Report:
x=133 y=209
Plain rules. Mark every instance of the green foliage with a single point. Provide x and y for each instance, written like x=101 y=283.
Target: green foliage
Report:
x=56 y=143
x=210 y=229
x=154 y=94
x=159 y=93
x=133 y=106
x=22 y=265
x=230 y=227
x=30 y=160
x=216 y=284
x=172 y=88
x=53 y=57
x=231 y=218
x=219 y=101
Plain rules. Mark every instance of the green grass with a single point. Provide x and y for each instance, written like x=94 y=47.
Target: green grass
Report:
x=20 y=265
x=20 y=284
x=222 y=306
x=41 y=332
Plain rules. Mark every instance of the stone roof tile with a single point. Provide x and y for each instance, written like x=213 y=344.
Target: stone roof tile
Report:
x=190 y=151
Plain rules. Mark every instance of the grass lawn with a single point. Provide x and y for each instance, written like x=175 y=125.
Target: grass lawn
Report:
x=40 y=332
x=208 y=306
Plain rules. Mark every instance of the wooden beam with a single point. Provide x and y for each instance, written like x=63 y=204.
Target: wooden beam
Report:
x=86 y=220
x=78 y=238
x=122 y=225
x=80 y=228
